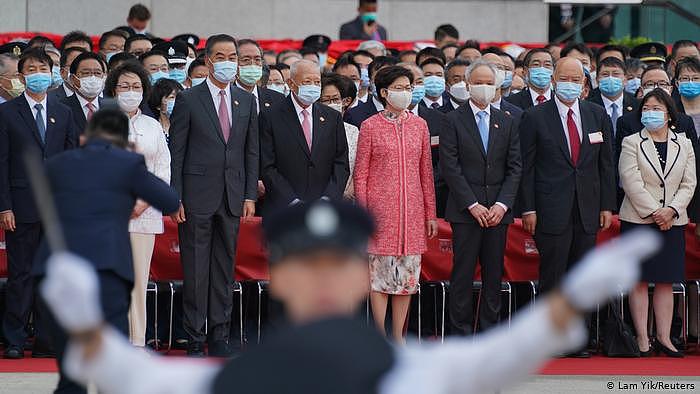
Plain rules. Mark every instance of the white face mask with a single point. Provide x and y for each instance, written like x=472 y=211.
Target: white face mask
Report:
x=400 y=100
x=482 y=94
x=337 y=107
x=91 y=86
x=459 y=91
x=129 y=101
x=500 y=77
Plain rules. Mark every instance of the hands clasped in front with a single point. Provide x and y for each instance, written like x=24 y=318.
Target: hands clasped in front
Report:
x=488 y=217
x=663 y=217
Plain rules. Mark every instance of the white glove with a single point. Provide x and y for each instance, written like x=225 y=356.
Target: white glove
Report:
x=71 y=290
x=610 y=269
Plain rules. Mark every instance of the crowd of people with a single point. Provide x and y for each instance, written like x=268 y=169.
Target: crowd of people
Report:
x=563 y=137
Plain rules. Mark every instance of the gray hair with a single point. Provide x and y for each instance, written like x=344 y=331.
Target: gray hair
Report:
x=369 y=44
x=479 y=63
x=5 y=59
x=294 y=68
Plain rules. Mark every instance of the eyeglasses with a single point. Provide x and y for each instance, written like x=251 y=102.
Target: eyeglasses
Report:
x=652 y=85
x=695 y=78
x=125 y=87
x=89 y=73
x=407 y=88
x=327 y=101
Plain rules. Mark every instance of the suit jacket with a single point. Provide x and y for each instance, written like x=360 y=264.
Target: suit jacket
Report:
x=79 y=118
x=551 y=181
x=58 y=93
x=446 y=107
x=95 y=203
x=289 y=169
x=437 y=122
x=268 y=98
x=18 y=132
x=511 y=110
x=204 y=167
x=629 y=102
x=355 y=116
x=474 y=175
x=648 y=186
x=354 y=30
x=522 y=99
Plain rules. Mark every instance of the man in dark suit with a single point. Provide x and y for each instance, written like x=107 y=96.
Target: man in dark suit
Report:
x=88 y=74
x=249 y=73
x=480 y=161
x=304 y=150
x=538 y=67
x=355 y=116
x=214 y=146
x=456 y=84
x=34 y=122
x=568 y=184
x=365 y=26
x=66 y=89
x=94 y=207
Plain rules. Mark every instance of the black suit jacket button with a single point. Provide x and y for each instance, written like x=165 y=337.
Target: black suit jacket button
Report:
x=661 y=185
x=661 y=201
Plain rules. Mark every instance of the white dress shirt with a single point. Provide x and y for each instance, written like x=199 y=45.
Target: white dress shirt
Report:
x=378 y=104
x=533 y=95
x=497 y=104
x=455 y=104
x=32 y=103
x=364 y=97
x=68 y=91
x=430 y=102
x=254 y=92
x=607 y=103
x=298 y=108
x=214 y=90
x=563 y=116
x=83 y=104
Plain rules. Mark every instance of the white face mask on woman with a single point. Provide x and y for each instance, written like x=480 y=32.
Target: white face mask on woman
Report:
x=399 y=99
x=129 y=101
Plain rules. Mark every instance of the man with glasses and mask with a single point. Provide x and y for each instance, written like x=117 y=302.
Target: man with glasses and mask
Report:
x=214 y=160
x=10 y=84
x=538 y=65
x=88 y=77
x=250 y=61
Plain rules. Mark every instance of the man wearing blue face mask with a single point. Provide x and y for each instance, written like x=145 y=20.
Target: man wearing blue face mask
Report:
x=538 y=69
x=176 y=56
x=365 y=26
x=214 y=161
x=568 y=183
x=304 y=152
x=41 y=125
x=112 y=42
x=434 y=71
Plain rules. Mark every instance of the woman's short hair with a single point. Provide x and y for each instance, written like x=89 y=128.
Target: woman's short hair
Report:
x=386 y=76
x=665 y=99
x=128 y=67
x=346 y=87
x=688 y=63
x=161 y=89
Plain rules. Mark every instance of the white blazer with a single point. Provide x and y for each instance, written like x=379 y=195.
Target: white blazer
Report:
x=147 y=135
x=647 y=187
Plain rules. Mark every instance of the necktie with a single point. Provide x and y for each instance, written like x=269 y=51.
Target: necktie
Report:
x=483 y=129
x=614 y=114
x=574 y=142
x=90 y=110
x=224 y=121
x=435 y=105
x=541 y=99
x=40 y=122
x=306 y=125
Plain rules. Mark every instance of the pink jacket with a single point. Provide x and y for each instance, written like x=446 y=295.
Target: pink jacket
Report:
x=393 y=178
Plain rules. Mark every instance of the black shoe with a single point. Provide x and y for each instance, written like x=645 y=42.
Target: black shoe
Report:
x=220 y=349
x=648 y=353
x=579 y=354
x=43 y=352
x=660 y=348
x=195 y=349
x=14 y=352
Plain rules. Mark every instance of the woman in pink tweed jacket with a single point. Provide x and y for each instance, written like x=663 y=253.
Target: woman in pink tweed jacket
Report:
x=393 y=178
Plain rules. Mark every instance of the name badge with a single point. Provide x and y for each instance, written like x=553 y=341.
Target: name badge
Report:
x=435 y=141
x=595 y=138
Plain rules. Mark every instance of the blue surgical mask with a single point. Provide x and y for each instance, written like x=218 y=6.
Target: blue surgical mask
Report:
x=178 y=75
x=225 y=71
x=653 y=120
x=278 y=87
x=689 y=89
x=508 y=80
x=568 y=91
x=633 y=85
x=540 y=77
x=308 y=94
x=170 y=104
x=109 y=55
x=418 y=94
x=250 y=75
x=197 y=81
x=434 y=85
x=610 y=86
x=158 y=75
x=368 y=17
x=364 y=77
x=38 y=82
x=56 y=78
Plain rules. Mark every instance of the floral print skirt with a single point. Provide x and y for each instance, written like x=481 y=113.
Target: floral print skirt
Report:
x=394 y=274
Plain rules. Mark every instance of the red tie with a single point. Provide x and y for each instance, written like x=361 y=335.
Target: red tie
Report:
x=574 y=141
x=306 y=125
x=223 y=116
x=541 y=99
x=90 y=110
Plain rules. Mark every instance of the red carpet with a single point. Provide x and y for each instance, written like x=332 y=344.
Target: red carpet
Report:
x=654 y=366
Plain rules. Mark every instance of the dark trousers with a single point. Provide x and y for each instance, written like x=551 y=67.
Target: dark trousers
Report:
x=207 y=252
x=21 y=247
x=471 y=242
x=115 y=296
x=560 y=252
